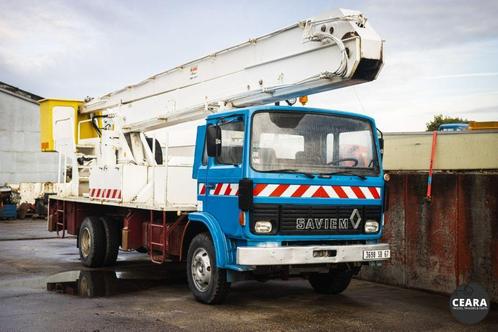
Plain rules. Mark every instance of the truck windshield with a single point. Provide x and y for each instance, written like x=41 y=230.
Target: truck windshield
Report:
x=312 y=143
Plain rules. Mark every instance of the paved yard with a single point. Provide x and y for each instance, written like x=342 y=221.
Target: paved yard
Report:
x=44 y=287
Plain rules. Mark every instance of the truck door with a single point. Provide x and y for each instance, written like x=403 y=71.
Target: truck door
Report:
x=199 y=169
x=223 y=175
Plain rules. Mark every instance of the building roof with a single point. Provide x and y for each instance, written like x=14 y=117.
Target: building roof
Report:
x=15 y=91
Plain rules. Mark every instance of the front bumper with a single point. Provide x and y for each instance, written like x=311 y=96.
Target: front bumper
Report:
x=310 y=254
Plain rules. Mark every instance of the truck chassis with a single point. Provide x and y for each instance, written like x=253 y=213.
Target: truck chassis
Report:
x=163 y=234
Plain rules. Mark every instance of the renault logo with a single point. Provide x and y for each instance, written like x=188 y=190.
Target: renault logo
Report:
x=355 y=218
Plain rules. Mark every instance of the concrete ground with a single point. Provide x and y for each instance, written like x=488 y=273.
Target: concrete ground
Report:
x=44 y=287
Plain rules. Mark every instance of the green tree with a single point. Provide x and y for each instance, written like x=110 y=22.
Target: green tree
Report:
x=440 y=119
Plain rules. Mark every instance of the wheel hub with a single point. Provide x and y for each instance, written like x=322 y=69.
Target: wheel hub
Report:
x=85 y=242
x=201 y=269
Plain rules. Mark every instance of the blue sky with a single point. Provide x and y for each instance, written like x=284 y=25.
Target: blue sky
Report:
x=440 y=56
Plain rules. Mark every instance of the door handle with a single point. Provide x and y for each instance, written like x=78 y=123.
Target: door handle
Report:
x=209 y=185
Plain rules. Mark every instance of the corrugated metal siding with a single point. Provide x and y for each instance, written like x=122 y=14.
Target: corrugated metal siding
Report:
x=449 y=241
x=20 y=156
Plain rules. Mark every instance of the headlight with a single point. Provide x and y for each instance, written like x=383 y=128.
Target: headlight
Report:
x=371 y=226
x=262 y=227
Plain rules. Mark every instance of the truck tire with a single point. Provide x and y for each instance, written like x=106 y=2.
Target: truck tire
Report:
x=207 y=282
x=112 y=240
x=334 y=282
x=91 y=242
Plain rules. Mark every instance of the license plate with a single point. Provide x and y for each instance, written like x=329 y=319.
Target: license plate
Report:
x=376 y=254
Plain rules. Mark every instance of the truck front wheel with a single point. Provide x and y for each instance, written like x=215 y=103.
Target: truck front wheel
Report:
x=206 y=281
x=334 y=282
x=91 y=242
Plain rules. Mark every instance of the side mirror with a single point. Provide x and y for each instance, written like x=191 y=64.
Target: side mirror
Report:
x=245 y=194
x=213 y=141
x=381 y=146
x=381 y=143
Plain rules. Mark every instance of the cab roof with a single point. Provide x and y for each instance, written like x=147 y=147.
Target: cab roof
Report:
x=253 y=109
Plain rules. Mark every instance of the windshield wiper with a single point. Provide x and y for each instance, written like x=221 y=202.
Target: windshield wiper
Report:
x=290 y=170
x=321 y=175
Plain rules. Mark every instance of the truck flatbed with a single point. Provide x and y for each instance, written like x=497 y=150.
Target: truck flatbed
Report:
x=179 y=208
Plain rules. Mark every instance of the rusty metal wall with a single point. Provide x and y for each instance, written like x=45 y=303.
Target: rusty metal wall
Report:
x=449 y=241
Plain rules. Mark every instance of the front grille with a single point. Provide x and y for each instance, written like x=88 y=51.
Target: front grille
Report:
x=315 y=219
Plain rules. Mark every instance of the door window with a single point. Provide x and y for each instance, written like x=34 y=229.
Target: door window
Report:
x=232 y=142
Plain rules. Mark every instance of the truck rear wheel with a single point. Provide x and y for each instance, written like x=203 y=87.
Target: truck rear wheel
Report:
x=334 y=282
x=113 y=239
x=91 y=242
x=206 y=281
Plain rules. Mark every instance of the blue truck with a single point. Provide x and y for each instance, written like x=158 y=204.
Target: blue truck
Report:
x=283 y=192
x=266 y=191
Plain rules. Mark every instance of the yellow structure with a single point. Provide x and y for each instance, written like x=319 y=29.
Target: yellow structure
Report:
x=483 y=125
x=49 y=109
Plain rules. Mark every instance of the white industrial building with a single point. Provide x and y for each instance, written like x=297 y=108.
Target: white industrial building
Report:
x=21 y=160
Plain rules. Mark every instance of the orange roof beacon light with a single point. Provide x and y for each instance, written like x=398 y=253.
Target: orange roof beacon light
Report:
x=303 y=100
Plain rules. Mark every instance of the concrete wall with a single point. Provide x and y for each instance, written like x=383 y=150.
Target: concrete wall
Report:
x=454 y=150
x=20 y=156
x=449 y=241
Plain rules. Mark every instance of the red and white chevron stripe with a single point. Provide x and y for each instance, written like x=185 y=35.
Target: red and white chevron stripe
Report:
x=202 y=189
x=296 y=190
x=106 y=194
x=315 y=191
x=220 y=189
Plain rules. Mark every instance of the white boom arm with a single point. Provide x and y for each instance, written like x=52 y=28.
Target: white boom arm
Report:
x=327 y=52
